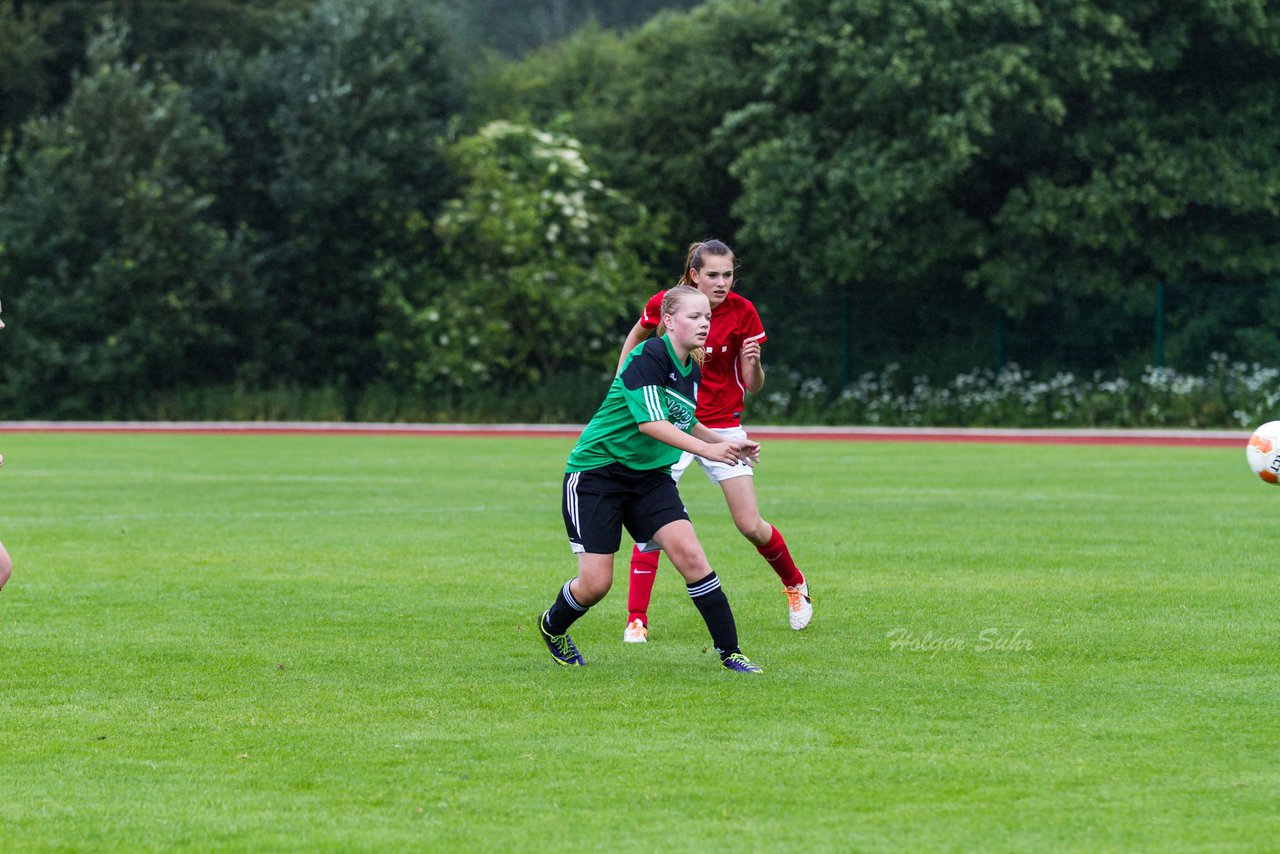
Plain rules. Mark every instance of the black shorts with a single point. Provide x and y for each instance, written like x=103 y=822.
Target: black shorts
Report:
x=597 y=504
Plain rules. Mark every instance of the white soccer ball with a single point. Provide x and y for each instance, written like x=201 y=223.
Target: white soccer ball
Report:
x=1264 y=452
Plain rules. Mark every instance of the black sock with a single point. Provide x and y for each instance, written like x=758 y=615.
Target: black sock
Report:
x=564 y=611
x=713 y=605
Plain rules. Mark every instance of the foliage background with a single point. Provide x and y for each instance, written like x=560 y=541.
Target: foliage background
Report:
x=261 y=209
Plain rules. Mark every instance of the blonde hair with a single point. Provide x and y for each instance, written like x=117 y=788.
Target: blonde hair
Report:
x=671 y=301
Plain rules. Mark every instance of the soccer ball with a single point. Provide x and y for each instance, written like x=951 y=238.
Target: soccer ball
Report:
x=1264 y=452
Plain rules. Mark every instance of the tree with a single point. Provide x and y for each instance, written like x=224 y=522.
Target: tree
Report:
x=42 y=45
x=24 y=85
x=175 y=34
x=117 y=281
x=650 y=107
x=514 y=27
x=538 y=255
x=336 y=139
x=1020 y=150
x=663 y=133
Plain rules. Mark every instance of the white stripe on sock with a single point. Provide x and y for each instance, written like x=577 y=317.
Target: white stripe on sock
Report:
x=568 y=597
x=711 y=585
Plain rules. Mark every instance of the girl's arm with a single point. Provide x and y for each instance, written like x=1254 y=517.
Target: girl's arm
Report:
x=701 y=441
x=748 y=451
x=638 y=333
x=752 y=369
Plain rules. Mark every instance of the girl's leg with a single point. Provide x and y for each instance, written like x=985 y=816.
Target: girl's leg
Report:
x=682 y=547
x=595 y=576
x=644 y=568
x=740 y=494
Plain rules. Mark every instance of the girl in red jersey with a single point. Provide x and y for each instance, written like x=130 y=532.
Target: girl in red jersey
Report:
x=731 y=369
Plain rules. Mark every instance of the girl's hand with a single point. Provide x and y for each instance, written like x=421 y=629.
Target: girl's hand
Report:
x=748 y=452
x=752 y=368
x=723 y=452
x=734 y=452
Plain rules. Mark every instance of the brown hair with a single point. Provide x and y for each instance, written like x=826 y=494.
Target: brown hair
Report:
x=697 y=257
x=670 y=303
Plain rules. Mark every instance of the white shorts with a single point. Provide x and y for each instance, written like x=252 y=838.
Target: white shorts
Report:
x=717 y=472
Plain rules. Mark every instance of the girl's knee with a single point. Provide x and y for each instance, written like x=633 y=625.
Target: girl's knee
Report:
x=592 y=590
x=691 y=562
x=755 y=529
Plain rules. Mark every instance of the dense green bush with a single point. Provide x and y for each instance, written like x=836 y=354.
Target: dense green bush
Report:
x=1227 y=395
x=567 y=398
x=537 y=255
x=650 y=107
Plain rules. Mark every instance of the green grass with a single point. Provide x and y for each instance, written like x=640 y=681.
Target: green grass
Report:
x=269 y=643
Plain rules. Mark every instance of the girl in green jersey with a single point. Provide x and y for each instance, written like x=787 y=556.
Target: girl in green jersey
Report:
x=619 y=475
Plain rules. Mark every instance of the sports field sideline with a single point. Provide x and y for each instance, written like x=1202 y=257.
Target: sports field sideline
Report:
x=297 y=638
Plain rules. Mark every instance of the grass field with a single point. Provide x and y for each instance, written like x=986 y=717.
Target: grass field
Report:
x=328 y=643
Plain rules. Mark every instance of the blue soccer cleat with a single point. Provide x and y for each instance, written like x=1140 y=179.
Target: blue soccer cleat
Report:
x=739 y=663
x=562 y=648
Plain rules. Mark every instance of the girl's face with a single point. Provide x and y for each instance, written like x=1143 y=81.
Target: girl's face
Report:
x=689 y=324
x=715 y=279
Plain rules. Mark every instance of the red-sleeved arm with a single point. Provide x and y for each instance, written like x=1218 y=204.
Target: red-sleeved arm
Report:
x=652 y=314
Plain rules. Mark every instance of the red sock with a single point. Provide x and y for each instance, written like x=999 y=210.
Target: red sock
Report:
x=644 y=568
x=775 y=551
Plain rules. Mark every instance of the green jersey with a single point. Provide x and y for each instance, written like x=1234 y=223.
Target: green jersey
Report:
x=652 y=386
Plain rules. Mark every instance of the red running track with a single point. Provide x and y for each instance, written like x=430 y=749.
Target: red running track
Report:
x=1183 y=438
